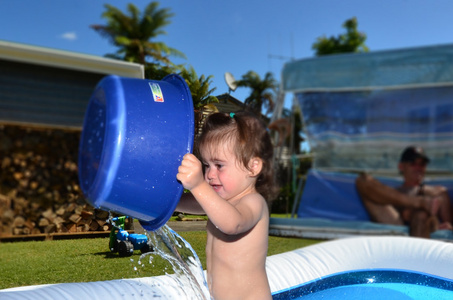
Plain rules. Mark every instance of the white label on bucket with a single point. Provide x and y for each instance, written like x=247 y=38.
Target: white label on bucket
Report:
x=157 y=92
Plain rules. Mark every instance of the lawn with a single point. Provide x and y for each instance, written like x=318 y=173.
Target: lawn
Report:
x=81 y=260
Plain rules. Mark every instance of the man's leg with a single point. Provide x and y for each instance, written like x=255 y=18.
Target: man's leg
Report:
x=422 y=223
x=379 y=199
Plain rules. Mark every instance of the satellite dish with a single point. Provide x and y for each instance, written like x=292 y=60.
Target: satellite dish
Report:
x=230 y=81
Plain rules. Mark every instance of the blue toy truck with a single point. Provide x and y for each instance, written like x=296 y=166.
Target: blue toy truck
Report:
x=124 y=242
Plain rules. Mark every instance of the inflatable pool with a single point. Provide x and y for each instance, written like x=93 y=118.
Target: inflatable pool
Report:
x=350 y=268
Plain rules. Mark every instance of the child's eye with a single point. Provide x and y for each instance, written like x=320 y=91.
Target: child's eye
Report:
x=218 y=166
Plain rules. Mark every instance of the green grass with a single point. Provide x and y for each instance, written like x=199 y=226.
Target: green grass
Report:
x=82 y=260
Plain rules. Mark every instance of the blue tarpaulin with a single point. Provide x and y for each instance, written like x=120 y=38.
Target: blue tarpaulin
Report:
x=361 y=110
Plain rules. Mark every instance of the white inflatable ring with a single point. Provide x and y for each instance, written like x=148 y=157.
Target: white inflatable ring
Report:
x=285 y=271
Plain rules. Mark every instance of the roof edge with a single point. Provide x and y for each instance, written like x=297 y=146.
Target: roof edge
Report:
x=68 y=60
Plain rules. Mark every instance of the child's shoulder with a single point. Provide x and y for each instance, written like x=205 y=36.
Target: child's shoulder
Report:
x=253 y=195
x=253 y=199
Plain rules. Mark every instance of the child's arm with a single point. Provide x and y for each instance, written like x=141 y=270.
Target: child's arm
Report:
x=228 y=218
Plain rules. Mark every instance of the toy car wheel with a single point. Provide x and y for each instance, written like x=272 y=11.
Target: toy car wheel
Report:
x=125 y=248
x=148 y=247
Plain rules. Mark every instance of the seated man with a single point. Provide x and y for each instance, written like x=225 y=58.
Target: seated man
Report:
x=424 y=208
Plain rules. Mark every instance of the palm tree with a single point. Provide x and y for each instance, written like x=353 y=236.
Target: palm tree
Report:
x=134 y=33
x=201 y=96
x=262 y=93
x=199 y=88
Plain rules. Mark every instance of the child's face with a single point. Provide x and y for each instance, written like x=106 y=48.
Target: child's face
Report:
x=226 y=175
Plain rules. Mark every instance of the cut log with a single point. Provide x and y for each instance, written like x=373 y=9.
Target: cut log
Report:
x=87 y=214
x=51 y=228
x=72 y=227
x=30 y=224
x=19 y=222
x=94 y=226
x=43 y=222
x=8 y=216
x=60 y=211
x=75 y=218
x=50 y=215
x=102 y=214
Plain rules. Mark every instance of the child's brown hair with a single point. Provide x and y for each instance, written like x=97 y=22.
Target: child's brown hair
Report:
x=250 y=138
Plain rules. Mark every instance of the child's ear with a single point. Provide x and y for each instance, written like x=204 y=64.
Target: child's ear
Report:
x=255 y=166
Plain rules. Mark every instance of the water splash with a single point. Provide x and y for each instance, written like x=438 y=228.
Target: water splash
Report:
x=179 y=253
x=183 y=259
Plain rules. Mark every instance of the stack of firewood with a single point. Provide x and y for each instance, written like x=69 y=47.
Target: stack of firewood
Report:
x=39 y=189
x=21 y=216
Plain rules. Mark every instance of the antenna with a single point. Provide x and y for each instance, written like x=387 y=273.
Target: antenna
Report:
x=231 y=82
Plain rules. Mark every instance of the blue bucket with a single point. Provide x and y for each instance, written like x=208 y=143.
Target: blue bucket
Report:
x=134 y=136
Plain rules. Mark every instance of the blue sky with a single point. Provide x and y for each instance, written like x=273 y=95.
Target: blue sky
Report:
x=234 y=35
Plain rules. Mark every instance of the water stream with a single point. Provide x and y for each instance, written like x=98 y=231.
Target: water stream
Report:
x=185 y=262
x=179 y=253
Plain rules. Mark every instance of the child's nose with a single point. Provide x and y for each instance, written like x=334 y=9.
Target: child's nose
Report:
x=209 y=174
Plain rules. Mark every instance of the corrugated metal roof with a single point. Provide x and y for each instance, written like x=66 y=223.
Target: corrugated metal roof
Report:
x=228 y=103
x=48 y=96
x=49 y=87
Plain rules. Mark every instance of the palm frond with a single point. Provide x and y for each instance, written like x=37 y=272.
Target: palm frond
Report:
x=134 y=33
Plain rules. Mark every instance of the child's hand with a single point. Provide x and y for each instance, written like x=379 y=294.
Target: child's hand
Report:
x=190 y=172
